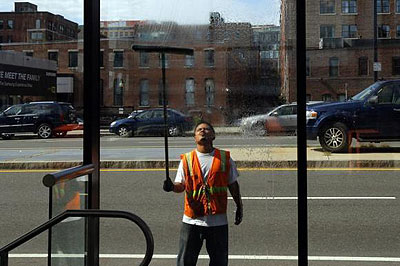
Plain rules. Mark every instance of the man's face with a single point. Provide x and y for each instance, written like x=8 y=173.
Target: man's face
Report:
x=203 y=134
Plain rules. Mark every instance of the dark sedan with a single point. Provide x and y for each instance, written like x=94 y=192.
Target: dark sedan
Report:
x=151 y=122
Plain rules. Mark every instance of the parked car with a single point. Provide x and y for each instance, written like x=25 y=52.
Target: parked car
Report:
x=281 y=119
x=151 y=122
x=44 y=118
x=373 y=115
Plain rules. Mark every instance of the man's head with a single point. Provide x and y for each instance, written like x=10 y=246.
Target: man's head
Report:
x=204 y=133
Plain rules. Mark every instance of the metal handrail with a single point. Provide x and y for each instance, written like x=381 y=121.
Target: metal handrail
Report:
x=83 y=213
x=50 y=180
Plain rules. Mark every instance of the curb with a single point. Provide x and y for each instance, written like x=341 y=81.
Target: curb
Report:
x=157 y=164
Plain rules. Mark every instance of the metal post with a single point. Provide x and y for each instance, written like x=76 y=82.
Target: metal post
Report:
x=49 y=231
x=91 y=133
x=301 y=136
x=375 y=45
x=4 y=259
x=165 y=116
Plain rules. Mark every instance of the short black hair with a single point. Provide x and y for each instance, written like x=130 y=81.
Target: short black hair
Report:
x=203 y=122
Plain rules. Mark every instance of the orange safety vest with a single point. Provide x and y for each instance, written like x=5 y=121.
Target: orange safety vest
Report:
x=209 y=196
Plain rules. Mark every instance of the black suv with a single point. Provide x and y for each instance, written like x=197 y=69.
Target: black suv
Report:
x=373 y=115
x=43 y=118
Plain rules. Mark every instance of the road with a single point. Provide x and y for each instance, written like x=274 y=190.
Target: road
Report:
x=30 y=148
x=353 y=216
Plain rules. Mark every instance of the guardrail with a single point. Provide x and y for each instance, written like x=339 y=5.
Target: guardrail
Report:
x=83 y=213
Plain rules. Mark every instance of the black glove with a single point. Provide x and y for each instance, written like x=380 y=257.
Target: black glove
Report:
x=239 y=215
x=168 y=185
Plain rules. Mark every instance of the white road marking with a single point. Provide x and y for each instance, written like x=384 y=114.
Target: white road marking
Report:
x=318 y=198
x=232 y=257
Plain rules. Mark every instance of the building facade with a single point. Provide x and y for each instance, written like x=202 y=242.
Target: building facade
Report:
x=27 y=24
x=340 y=50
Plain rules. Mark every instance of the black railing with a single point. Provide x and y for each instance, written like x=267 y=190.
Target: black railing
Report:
x=83 y=213
x=50 y=180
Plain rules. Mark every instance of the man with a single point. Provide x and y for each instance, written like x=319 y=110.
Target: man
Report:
x=205 y=174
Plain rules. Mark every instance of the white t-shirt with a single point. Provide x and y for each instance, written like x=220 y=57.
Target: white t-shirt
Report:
x=205 y=160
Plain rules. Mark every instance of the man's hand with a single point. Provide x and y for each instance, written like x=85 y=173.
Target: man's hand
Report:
x=168 y=185
x=239 y=215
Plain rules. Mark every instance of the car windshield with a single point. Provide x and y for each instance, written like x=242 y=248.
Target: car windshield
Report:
x=364 y=93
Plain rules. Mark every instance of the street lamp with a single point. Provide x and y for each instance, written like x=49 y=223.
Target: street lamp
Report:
x=162 y=50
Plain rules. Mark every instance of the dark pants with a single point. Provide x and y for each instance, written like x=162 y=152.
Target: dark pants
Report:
x=191 y=241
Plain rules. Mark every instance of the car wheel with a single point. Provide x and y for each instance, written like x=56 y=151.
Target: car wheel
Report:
x=333 y=138
x=124 y=131
x=259 y=129
x=44 y=131
x=7 y=136
x=174 y=131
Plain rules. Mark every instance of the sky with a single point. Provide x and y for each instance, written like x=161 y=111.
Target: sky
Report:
x=257 y=12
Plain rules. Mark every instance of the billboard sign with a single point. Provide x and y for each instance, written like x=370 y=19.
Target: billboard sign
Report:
x=22 y=80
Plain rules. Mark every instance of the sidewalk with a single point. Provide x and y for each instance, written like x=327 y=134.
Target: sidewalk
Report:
x=250 y=157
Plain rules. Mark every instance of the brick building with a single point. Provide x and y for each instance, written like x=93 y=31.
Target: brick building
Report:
x=205 y=85
x=27 y=24
x=340 y=51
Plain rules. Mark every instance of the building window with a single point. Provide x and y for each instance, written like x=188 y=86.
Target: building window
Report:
x=118 y=58
x=327 y=97
x=327 y=6
x=101 y=92
x=143 y=59
x=382 y=6
x=398 y=31
x=160 y=93
x=308 y=97
x=37 y=24
x=1 y=24
x=341 y=97
x=118 y=91
x=384 y=31
x=349 y=6
x=326 y=31
x=189 y=92
x=363 y=66
x=28 y=53
x=144 y=93
x=53 y=56
x=189 y=60
x=349 y=31
x=396 y=66
x=101 y=58
x=10 y=24
x=36 y=36
x=165 y=60
x=9 y=38
x=308 y=68
x=73 y=59
x=397 y=6
x=333 y=67
x=209 y=57
x=210 y=92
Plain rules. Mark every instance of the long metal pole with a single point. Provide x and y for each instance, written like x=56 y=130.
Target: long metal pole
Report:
x=91 y=133
x=375 y=45
x=301 y=136
x=164 y=96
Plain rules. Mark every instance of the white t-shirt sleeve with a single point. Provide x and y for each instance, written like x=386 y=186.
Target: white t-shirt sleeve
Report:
x=180 y=175
x=233 y=173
